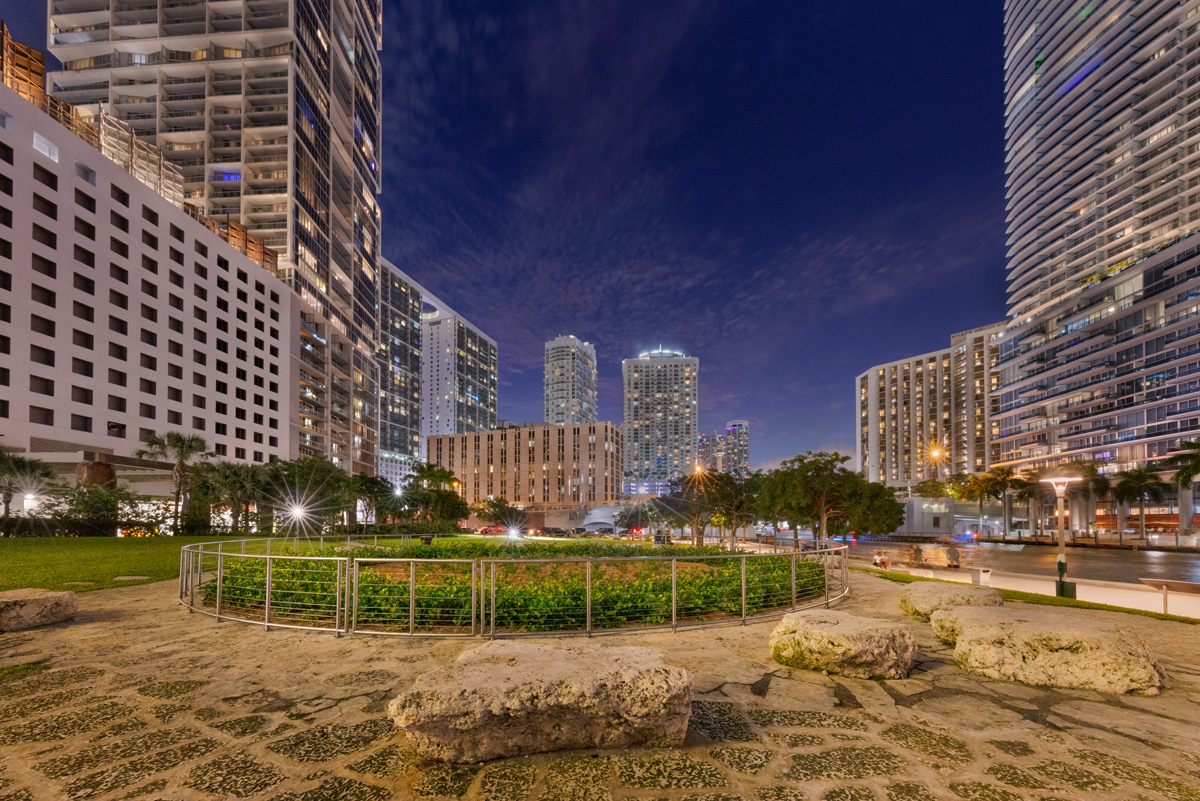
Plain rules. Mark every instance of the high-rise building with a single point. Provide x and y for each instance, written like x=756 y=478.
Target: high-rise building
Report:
x=661 y=394
x=458 y=373
x=726 y=451
x=1103 y=201
x=570 y=382
x=540 y=465
x=271 y=112
x=736 y=450
x=123 y=315
x=399 y=374
x=932 y=415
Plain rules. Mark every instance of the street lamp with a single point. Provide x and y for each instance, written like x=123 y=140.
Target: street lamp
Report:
x=1060 y=484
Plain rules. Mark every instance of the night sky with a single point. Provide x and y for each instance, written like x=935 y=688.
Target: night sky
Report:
x=793 y=192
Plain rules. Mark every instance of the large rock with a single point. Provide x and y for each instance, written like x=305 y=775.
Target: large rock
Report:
x=842 y=643
x=923 y=598
x=27 y=609
x=1050 y=646
x=509 y=698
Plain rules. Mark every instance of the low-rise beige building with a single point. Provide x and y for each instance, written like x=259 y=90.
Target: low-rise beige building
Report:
x=537 y=465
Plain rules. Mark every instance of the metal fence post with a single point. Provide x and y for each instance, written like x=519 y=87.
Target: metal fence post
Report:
x=474 y=598
x=337 y=598
x=793 y=582
x=220 y=572
x=743 y=590
x=267 y=605
x=588 y=585
x=193 y=580
x=825 y=573
x=493 y=600
x=845 y=570
x=674 y=595
x=412 y=596
x=354 y=601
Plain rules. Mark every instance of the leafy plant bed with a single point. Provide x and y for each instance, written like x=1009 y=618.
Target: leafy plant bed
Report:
x=529 y=596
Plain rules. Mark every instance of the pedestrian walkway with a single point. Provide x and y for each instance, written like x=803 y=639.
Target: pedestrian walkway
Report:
x=1130 y=596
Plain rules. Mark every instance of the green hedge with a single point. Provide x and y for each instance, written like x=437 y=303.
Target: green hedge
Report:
x=532 y=596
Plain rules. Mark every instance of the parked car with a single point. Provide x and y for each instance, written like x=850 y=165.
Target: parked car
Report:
x=554 y=531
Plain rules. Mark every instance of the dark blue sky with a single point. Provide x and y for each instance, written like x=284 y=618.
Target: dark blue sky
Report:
x=792 y=192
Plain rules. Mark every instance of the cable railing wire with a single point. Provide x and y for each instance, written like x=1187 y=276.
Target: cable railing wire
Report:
x=294 y=583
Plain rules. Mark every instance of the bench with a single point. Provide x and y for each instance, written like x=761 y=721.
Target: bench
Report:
x=1170 y=585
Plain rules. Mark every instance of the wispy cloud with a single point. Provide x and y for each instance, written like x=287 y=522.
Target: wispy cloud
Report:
x=531 y=180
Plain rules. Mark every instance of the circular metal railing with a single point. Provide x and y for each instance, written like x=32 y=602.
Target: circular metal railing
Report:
x=275 y=583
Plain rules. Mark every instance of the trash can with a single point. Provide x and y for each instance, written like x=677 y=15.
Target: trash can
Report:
x=1064 y=589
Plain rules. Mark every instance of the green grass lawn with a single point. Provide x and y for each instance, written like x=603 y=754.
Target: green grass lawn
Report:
x=1033 y=597
x=50 y=562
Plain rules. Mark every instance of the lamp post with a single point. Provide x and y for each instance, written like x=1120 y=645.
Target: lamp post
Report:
x=1063 y=588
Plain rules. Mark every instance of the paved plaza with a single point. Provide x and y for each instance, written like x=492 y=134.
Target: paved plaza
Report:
x=138 y=698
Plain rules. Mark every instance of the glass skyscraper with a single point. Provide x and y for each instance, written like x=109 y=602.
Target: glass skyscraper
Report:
x=271 y=112
x=1102 y=111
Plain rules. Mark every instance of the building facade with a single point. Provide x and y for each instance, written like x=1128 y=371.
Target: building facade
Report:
x=661 y=412
x=539 y=466
x=726 y=451
x=570 y=381
x=399 y=374
x=932 y=415
x=271 y=112
x=458 y=373
x=1103 y=124
x=123 y=316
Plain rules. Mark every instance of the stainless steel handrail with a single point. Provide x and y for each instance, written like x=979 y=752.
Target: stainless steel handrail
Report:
x=344 y=591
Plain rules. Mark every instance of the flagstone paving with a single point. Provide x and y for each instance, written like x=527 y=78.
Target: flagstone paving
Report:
x=138 y=699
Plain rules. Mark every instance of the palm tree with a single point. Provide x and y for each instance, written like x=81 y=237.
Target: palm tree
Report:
x=180 y=448
x=1094 y=486
x=20 y=474
x=1186 y=462
x=980 y=487
x=1004 y=480
x=1140 y=484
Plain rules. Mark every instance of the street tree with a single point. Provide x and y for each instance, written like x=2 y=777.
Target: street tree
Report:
x=1186 y=463
x=181 y=449
x=1140 y=485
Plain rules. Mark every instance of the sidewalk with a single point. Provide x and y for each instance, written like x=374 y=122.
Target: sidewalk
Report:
x=1130 y=596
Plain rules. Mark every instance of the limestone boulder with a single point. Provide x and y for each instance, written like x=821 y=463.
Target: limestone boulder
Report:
x=27 y=609
x=922 y=598
x=508 y=698
x=845 y=644
x=1051 y=646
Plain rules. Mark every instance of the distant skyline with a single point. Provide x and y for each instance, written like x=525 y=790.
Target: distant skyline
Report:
x=791 y=193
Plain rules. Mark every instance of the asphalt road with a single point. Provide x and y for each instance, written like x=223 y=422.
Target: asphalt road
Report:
x=1092 y=563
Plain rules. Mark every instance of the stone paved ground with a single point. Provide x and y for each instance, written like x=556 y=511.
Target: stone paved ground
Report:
x=139 y=699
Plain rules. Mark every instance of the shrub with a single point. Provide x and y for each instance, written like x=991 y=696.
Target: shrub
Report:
x=530 y=595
